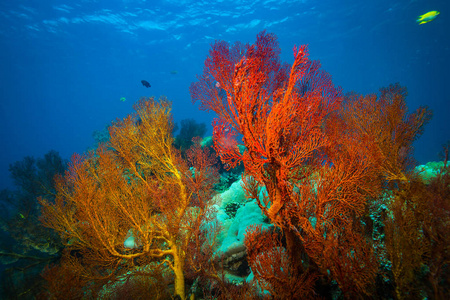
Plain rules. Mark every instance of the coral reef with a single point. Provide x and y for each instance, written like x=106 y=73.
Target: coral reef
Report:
x=316 y=195
x=324 y=160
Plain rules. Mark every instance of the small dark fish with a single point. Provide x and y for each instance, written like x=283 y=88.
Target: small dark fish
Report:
x=145 y=83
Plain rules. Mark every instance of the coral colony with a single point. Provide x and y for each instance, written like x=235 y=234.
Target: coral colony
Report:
x=319 y=197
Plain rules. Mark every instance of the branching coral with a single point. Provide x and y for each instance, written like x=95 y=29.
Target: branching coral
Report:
x=136 y=182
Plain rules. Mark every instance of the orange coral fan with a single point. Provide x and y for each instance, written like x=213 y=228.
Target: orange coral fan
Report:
x=417 y=236
x=136 y=186
x=272 y=266
x=319 y=161
x=383 y=123
x=281 y=117
x=279 y=114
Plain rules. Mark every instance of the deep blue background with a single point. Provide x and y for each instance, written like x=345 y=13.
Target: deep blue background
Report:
x=66 y=64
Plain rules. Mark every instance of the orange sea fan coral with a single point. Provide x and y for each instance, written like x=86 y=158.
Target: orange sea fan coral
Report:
x=137 y=183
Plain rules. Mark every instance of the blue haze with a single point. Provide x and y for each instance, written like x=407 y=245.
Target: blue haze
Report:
x=66 y=64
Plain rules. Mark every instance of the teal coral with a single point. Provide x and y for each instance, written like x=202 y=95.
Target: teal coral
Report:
x=430 y=170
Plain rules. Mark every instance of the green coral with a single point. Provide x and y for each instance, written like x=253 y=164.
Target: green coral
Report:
x=430 y=170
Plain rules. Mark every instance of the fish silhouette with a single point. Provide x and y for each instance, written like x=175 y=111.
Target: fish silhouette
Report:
x=145 y=83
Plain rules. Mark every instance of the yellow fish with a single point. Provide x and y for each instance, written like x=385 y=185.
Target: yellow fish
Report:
x=429 y=16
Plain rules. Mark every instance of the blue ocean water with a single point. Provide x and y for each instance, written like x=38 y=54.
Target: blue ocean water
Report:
x=65 y=65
